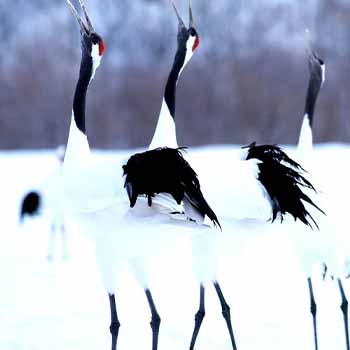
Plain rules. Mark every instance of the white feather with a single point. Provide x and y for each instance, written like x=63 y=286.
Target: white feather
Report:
x=96 y=59
x=236 y=184
x=165 y=134
x=189 y=52
x=305 y=141
x=123 y=235
x=323 y=67
x=77 y=151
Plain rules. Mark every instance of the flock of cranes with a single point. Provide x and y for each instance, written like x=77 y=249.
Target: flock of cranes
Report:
x=158 y=189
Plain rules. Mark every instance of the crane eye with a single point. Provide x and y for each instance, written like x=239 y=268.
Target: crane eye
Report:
x=94 y=39
x=192 y=32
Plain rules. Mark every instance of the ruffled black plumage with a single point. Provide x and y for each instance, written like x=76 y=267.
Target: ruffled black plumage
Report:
x=30 y=204
x=164 y=170
x=282 y=179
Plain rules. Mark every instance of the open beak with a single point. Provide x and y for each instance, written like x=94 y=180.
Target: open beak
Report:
x=181 y=22
x=191 y=14
x=85 y=28
x=315 y=62
x=311 y=53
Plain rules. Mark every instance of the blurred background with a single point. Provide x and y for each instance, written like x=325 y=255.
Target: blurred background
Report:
x=246 y=82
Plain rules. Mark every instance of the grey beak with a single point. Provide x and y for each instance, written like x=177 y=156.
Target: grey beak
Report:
x=181 y=22
x=86 y=29
x=311 y=53
x=82 y=4
x=191 y=14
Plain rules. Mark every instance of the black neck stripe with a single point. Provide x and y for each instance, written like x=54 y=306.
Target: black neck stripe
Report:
x=170 y=88
x=79 y=103
x=312 y=93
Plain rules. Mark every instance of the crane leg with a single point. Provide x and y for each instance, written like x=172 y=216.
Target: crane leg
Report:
x=198 y=317
x=225 y=313
x=52 y=238
x=313 y=309
x=64 y=242
x=344 y=308
x=115 y=324
x=155 y=321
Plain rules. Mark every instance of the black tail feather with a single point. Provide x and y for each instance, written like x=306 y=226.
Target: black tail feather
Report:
x=164 y=170
x=282 y=179
x=30 y=205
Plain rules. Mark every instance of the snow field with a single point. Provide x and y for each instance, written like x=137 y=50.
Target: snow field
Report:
x=62 y=304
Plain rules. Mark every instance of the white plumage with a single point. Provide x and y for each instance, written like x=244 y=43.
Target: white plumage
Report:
x=250 y=208
x=328 y=247
x=247 y=195
x=97 y=200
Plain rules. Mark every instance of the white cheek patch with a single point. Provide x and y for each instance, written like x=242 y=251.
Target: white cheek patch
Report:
x=323 y=67
x=96 y=58
x=189 y=46
x=190 y=43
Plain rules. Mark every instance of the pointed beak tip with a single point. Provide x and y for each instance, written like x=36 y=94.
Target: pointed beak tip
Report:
x=191 y=14
x=181 y=22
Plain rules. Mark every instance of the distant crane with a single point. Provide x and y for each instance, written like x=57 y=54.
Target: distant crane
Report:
x=48 y=197
x=317 y=70
x=305 y=149
x=162 y=197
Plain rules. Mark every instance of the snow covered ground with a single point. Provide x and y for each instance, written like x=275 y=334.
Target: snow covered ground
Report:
x=62 y=304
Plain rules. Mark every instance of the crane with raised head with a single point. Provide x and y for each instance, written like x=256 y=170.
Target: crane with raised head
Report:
x=317 y=75
x=266 y=184
x=162 y=195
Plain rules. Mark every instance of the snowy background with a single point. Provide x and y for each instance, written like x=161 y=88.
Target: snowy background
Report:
x=252 y=72
x=62 y=304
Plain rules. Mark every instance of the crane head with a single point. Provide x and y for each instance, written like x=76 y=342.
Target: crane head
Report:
x=92 y=43
x=317 y=66
x=187 y=36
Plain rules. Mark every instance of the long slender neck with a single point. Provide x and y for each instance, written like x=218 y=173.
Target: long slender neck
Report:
x=170 y=88
x=305 y=143
x=79 y=102
x=78 y=150
x=314 y=87
x=165 y=133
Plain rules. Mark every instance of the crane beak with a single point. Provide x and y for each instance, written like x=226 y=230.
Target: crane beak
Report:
x=181 y=22
x=311 y=53
x=87 y=29
x=191 y=14
x=315 y=62
x=88 y=20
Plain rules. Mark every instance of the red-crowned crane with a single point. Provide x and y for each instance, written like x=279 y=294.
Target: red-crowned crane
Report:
x=329 y=227
x=264 y=184
x=162 y=195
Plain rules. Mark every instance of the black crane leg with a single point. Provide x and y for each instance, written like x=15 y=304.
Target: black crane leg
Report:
x=64 y=251
x=115 y=324
x=155 y=321
x=52 y=238
x=198 y=317
x=226 y=313
x=344 y=309
x=313 y=309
